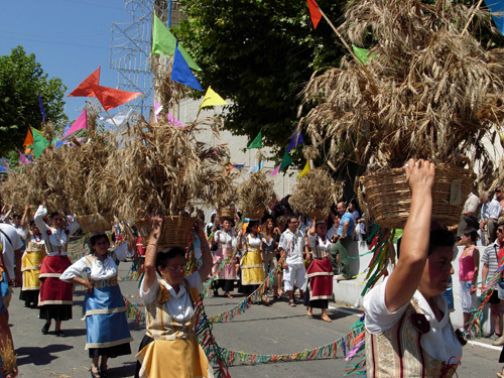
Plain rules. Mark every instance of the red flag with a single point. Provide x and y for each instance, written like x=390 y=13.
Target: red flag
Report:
x=111 y=98
x=28 y=141
x=315 y=13
x=86 y=88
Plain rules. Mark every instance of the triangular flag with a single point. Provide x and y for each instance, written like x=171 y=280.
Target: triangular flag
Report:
x=257 y=168
x=111 y=98
x=295 y=140
x=174 y=121
x=275 y=171
x=28 y=141
x=188 y=58
x=86 y=87
x=42 y=110
x=212 y=98
x=305 y=170
x=23 y=159
x=79 y=124
x=286 y=161
x=497 y=9
x=39 y=143
x=315 y=13
x=58 y=143
x=181 y=73
x=163 y=41
x=257 y=142
x=362 y=54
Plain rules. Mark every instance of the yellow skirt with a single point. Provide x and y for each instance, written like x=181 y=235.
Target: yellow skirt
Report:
x=179 y=358
x=252 y=268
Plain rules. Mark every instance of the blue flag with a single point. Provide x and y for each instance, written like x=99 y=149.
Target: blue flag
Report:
x=181 y=72
x=296 y=139
x=496 y=7
x=42 y=110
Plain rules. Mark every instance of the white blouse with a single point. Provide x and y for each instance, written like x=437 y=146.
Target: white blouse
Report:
x=95 y=269
x=56 y=239
x=253 y=242
x=224 y=238
x=320 y=247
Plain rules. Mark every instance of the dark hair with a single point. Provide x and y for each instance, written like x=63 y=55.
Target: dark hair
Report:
x=54 y=214
x=437 y=238
x=251 y=224
x=95 y=238
x=212 y=217
x=162 y=258
x=474 y=235
x=32 y=223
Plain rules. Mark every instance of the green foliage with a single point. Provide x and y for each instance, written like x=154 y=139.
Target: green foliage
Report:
x=22 y=80
x=259 y=54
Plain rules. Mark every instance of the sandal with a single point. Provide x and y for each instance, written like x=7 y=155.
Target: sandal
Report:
x=95 y=373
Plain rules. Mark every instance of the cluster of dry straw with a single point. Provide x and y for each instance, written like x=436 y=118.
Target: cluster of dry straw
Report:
x=255 y=194
x=8 y=358
x=430 y=89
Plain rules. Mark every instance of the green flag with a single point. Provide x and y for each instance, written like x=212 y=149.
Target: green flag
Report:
x=257 y=142
x=286 y=161
x=39 y=143
x=362 y=54
x=163 y=41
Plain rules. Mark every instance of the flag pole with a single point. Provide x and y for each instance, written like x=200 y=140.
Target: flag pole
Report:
x=471 y=17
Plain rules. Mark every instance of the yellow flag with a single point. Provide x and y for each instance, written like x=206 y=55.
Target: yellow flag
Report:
x=212 y=98
x=305 y=170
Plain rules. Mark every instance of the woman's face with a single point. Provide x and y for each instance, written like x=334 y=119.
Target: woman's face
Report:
x=437 y=271
x=253 y=229
x=173 y=272
x=226 y=225
x=465 y=240
x=58 y=221
x=269 y=224
x=321 y=229
x=35 y=230
x=101 y=247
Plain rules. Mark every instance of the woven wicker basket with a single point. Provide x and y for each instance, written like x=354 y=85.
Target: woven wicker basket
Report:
x=95 y=223
x=226 y=212
x=388 y=198
x=176 y=231
x=255 y=214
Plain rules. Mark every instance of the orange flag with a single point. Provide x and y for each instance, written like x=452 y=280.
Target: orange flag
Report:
x=315 y=13
x=28 y=141
x=86 y=88
x=111 y=98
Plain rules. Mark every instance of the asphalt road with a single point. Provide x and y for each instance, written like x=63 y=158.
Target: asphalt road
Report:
x=267 y=330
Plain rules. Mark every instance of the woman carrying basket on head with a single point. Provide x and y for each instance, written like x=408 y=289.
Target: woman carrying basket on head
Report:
x=170 y=348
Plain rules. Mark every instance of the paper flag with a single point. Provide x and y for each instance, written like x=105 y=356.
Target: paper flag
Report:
x=295 y=140
x=188 y=58
x=86 y=87
x=181 y=73
x=59 y=144
x=111 y=98
x=275 y=171
x=174 y=121
x=118 y=119
x=212 y=98
x=23 y=159
x=39 y=143
x=163 y=41
x=496 y=7
x=79 y=124
x=28 y=138
x=257 y=142
x=42 y=110
x=315 y=13
x=257 y=168
x=305 y=170
x=286 y=161
x=157 y=108
x=362 y=54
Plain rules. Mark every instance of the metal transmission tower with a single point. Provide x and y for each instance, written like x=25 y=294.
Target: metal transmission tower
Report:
x=131 y=46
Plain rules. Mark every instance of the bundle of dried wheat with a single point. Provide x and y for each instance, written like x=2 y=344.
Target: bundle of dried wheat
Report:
x=313 y=194
x=254 y=195
x=430 y=89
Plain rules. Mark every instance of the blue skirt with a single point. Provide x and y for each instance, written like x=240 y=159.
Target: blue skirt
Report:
x=106 y=322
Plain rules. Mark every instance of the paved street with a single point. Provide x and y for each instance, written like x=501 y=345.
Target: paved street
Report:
x=267 y=330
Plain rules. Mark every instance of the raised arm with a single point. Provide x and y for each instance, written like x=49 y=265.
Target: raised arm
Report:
x=405 y=277
x=150 y=276
x=206 y=268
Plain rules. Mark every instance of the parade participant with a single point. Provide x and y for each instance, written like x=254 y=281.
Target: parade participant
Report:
x=107 y=330
x=55 y=297
x=6 y=342
x=170 y=349
x=269 y=245
x=251 y=263
x=20 y=224
x=468 y=272
x=292 y=247
x=408 y=329
x=224 y=242
x=30 y=267
x=319 y=272
x=12 y=246
x=344 y=240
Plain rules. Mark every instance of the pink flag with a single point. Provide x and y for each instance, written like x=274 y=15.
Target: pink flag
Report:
x=275 y=171
x=23 y=159
x=174 y=121
x=79 y=124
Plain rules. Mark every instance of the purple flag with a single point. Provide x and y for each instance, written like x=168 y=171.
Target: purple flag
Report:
x=42 y=111
x=295 y=140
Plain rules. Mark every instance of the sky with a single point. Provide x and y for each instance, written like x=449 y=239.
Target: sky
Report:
x=70 y=38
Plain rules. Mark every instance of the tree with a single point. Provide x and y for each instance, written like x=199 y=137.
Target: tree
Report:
x=22 y=80
x=259 y=54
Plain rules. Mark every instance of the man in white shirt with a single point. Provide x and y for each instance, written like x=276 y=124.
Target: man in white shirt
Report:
x=292 y=247
x=11 y=242
x=493 y=212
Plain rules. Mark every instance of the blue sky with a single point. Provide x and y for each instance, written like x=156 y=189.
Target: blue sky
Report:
x=70 y=38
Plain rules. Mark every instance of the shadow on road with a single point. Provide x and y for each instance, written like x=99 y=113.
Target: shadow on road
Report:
x=127 y=370
x=74 y=332
x=39 y=356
